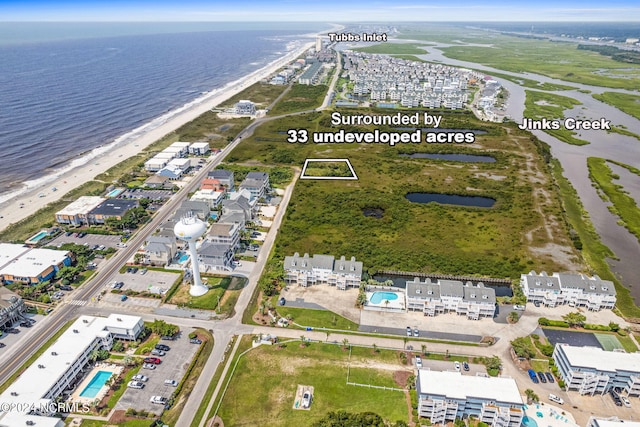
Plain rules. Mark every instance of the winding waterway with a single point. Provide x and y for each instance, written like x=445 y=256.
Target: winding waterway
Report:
x=574 y=158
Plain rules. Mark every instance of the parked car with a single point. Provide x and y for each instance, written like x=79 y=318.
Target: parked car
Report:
x=519 y=307
x=157 y=352
x=163 y=347
x=282 y=301
x=465 y=366
x=159 y=400
x=134 y=270
x=416 y=332
x=625 y=401
x=168 y=338
x=154 y=360
x=172 y=383
x=549 y=376
x=408 y=331
x=2 y=345
x=26 y=324
x=66 y=288
x=306 y=399
x=124 y=298
x=12 y=331
x=532 y=375
x=541 y=377
x=143 y=271
x=456 y=365
x=237 y=264
x=418 y=362
x=135 y=384
x=195 y=341
x=150 y=366
x=615 y=397
x=140 y=377
x=536 y=303
x=554 y=398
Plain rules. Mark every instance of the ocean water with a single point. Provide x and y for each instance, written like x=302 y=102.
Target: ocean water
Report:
x=62 y=97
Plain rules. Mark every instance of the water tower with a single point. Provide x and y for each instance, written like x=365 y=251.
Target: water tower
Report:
x=189 y=229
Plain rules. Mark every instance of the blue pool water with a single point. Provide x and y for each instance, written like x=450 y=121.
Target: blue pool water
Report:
x=183 y=258
x=96 y=384
x=39 y=236
x=529 y=422
x=115 y=193
x=379 y=297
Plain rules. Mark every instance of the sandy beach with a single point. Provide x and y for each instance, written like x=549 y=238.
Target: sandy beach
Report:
x=39 y=196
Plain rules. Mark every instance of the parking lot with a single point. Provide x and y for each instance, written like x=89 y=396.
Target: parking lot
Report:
x=9 y=339
x=151 y=281
x=174 y=365
x=582 y=407
x=443 y=365
x=108 y=241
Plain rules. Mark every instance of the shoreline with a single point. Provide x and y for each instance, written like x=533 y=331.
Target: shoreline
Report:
x=97 y=161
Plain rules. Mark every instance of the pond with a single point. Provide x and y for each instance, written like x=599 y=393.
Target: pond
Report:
x=373 y=212
x=451 y=199
x=467 y=158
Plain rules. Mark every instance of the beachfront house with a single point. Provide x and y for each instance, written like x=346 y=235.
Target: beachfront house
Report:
x=77 y=212
x=215 y=256
x=11 y=307
x=199 y=149
x=257 y=183
x=245 y=108
x=20 y=264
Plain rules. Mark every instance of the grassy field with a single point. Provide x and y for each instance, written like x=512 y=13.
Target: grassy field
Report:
x=223 y=290
x=317 y=318
x=630 y=104
x=323 y=366
x=300 y=98
x=327 y=217
x=539 y=105
x=556 y=60
x=594 y=252
x=623 y=205
x=533 y=84
x=261 y=94
x=394 y=49
x=328 y=169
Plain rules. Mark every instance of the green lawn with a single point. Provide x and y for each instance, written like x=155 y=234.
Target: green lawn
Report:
x=219 y=292
x=300 y=98
x=540 y=365
x=271 y=376
x=317 y=318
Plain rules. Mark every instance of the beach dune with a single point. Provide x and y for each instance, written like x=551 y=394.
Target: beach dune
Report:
x=38 y=196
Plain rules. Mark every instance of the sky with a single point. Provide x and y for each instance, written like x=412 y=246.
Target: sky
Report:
x=315 y=10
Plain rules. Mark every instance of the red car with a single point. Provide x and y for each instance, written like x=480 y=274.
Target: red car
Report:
x=153 y=360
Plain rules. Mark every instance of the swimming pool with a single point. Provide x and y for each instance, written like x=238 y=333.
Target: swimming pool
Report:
x=96 y=383
x=115 y=193
x=41 y=235
x=529 y=422
x=183 y=258
x=379 y=297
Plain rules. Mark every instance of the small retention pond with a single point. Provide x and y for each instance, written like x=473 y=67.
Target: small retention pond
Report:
x=451 y=199
x=467 y=158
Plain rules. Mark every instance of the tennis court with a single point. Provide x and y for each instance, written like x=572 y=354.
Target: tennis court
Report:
x=608 y=342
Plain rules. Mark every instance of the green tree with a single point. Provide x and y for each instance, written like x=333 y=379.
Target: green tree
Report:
x=513 y=317
x=424 y=349
x=345 y=343
x=614 y=326
x=523 y=348
x=531 y=396
x=574 y=319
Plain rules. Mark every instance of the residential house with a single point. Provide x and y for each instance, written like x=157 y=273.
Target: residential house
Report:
x=111 y=208
x=322 y=269
x=11 y=307
x=158 y=182
x=77 y=212
x=199 y=148
x=215 y=256
x=200 y=209
x=225 y=234
x=257 y=183
x=224 y=176
x=160 y=250
x=441 y=296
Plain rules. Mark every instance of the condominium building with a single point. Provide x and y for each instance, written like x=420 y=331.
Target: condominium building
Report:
x=31 y=266
x=591 y=370
x=77 y=213
x=322 y=269
x=61 y=368
x=576 y=290
x=11 y=307
x=443 y=296
x=445 y=396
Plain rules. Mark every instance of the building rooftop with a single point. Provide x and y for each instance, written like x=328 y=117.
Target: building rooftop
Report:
x=541 y=281
x=345 y=266
x=598 y=359
x=7 y=297
x=114 y=207
x=454 y=385
x=425 y=290
x=82 y=206
x=220 y=173
x=260 y=176
x=614 y=422
x=35 y=383
x=222 y=229
x=586 y=283
x=200 y=145
x=34 y=262
x=214 y=249
x=11 y=251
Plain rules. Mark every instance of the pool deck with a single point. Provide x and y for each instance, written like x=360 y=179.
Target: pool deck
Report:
x=552 y=416
x=393 y=305
x=109 y=367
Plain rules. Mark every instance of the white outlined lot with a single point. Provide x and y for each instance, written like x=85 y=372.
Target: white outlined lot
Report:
x=307 y=161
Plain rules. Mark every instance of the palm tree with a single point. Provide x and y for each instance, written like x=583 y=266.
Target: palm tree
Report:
x=531 y=396
x=95 y=354
x=386 y=303
x=345 y=343
x=424 y=349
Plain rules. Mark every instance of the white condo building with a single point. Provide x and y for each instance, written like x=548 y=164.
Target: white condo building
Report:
x=445 y=396
x=576 y=290
x=61 y=366
x=591 y=370
x=322 y=269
